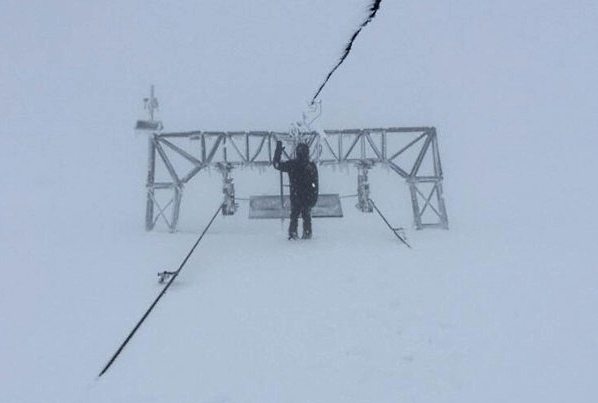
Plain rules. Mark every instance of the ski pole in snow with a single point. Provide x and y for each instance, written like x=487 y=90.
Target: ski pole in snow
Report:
x=146 y=314
x=394 y=230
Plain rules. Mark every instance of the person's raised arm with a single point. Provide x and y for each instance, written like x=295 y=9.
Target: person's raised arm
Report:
x=282 y=166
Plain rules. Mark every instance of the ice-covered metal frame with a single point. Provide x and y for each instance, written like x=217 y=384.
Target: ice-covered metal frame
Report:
x=411 y=152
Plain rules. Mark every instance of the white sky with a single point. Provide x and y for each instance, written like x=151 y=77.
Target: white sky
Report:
x=253 y=64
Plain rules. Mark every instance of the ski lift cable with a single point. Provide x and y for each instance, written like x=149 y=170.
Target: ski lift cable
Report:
x=149 y=310
x=394 y=230
x=373 y=9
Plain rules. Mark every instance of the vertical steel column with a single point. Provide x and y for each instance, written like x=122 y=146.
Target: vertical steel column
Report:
x=417 y=219
x=436 y=155
x=441 y=207
x=439 y=175
x=151 y=173
x=176 y=207
x=364 y=204
x=229 y=206
x=362 y=145
x=281 y=190
x=383 y=150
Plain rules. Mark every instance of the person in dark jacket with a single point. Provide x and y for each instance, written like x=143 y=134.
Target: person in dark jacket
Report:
x=303 y=178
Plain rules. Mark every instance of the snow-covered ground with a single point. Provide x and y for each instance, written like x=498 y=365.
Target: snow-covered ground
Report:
x=500 y=308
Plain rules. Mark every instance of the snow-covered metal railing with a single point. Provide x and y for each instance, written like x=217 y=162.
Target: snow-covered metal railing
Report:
x=412 y=152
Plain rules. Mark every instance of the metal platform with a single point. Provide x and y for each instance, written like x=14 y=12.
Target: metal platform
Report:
x=328 y=205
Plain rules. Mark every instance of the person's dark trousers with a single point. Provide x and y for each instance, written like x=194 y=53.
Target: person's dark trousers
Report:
x=305 y=213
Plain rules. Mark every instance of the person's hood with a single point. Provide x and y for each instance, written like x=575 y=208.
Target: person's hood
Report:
x=302 y=152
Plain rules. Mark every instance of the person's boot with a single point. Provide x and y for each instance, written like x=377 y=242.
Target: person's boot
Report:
x=307 y=227
x=293 y=229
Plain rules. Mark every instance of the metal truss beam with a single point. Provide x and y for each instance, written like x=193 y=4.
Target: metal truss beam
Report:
x=378 y=146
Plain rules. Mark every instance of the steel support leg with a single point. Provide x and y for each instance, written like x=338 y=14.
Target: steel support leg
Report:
x=176 y=207
x=441 y=206
x=364 y=203
x=438 y=209
x=417 y=220
x=151 y=172
x=229 y=206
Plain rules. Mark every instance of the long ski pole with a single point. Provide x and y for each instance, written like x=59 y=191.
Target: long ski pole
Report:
x=149 y=310
x=394 y=231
